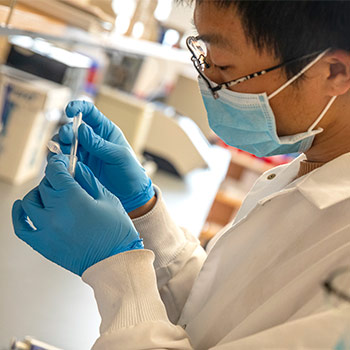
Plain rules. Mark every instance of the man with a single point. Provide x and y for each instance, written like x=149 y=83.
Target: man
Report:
x=275 y=78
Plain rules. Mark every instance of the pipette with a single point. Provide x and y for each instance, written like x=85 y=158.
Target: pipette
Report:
x=74 y=147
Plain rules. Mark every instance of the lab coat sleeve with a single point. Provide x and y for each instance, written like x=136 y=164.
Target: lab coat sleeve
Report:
x=134 y=317
x=132 y=312
x=178 y=256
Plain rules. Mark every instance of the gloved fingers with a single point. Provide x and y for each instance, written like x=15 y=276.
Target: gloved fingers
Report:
x=65 y=148
x=56 y=138
x=20 y=222
x=106 y=151
x=46 y=192
x=66 y=134
x=50 y=154
x=57 y=173
x=65 y=137
x=34 y=197
x=94 y=144
x=23 y=229
x=91 y=116
x=87 y=180
x=33 y=206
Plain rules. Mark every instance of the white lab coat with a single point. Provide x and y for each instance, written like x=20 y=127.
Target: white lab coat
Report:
x=254 y=288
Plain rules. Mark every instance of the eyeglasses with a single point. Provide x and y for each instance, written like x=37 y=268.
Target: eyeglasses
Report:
x=199 y=54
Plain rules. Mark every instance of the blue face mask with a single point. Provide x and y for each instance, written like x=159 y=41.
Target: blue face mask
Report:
x=247 y=122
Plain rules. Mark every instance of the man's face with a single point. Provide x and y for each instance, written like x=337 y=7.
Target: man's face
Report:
x=232 y=55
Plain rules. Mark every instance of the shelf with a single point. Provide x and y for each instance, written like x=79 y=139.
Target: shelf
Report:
x=228 y=200
x=108 y=44
x=36 y=25
x=8 y=31
x=209 y=230
x=24 y=20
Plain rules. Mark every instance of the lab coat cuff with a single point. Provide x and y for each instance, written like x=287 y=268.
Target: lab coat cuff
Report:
x=125 y=289
x=161 y=234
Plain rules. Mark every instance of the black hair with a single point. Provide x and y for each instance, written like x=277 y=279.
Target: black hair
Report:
x=292 y=28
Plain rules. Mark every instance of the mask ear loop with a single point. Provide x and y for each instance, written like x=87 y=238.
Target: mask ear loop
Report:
x=322 y=114
x=298 y=75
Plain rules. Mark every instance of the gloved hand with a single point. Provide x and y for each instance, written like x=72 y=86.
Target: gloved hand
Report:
x=78 y=222
x=104 y=149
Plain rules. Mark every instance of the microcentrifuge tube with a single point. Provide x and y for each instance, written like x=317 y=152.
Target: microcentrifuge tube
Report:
x=54 y=147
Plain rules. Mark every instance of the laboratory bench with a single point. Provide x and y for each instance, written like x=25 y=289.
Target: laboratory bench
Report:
x=41 y=299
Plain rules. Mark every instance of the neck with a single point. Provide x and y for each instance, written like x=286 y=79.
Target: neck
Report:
x=331 y=143
x=306 y=167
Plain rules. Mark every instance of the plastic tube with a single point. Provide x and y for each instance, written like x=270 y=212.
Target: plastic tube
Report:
x=74 y=147
x=54 y=147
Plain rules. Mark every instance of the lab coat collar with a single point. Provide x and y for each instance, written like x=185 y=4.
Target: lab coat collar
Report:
x=327 y=185
x=268 y=185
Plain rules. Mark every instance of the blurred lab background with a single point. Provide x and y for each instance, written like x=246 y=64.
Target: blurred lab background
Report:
x=130 y=59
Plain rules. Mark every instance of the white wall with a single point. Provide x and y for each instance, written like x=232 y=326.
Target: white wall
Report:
x=181 y=18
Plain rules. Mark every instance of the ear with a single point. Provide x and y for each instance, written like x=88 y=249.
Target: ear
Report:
x=338 y=80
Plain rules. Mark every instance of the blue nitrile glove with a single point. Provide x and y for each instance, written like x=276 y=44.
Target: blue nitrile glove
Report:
x=78 y=222
x=104 y=149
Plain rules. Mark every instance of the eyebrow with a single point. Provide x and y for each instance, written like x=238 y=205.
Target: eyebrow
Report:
x=216 y=39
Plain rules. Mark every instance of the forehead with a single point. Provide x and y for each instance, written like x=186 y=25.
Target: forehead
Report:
x=219 y=26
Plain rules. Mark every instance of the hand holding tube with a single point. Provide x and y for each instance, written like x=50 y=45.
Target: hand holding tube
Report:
x=78 y=222
x=105 y=150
